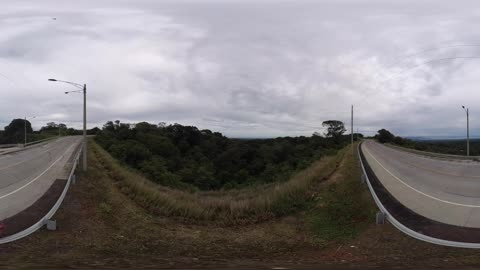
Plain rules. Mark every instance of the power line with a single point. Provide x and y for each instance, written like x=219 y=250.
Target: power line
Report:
x=376 y=89
x=431 y=49
x=7 y=78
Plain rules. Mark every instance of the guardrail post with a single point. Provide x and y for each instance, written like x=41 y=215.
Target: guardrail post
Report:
x=74 y=179
x=363 y=179
x=380 y=218
x=51 y=225
x=2 y=229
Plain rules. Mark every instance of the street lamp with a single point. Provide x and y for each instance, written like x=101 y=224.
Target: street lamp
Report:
x=84 y=90
x=25 y=129
x=468 y=132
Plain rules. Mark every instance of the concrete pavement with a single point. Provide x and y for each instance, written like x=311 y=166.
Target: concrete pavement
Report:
x=26 y=175
x=447 y=191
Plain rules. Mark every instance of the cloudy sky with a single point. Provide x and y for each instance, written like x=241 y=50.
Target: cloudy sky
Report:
x=244 y=68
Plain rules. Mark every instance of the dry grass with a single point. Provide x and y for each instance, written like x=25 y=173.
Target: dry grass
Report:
x=100 y=227
x=226 y=207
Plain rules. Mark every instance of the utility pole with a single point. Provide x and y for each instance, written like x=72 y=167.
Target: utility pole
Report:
x=468 y=135
x=353 y=150
x=468 y=131
x=25 y=131
x=84 y=127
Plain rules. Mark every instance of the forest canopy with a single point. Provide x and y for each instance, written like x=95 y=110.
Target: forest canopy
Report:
x=186 y=157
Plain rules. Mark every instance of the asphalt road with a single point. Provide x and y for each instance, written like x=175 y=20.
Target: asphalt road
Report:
x=442 y=190
x=26 y=175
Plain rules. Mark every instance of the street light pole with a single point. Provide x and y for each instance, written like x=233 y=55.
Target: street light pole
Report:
x=25 y=130
x=353 y=149
x=84 y=90
x=84 y=127
x=468 y=134
x=468 y=131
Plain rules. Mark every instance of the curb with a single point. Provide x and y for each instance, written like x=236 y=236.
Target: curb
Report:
x=432 y=154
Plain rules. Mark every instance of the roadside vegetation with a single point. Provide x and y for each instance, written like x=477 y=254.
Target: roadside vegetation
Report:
x=185 y=157
x=343 y=207
x=199 y=175
x=253 y=204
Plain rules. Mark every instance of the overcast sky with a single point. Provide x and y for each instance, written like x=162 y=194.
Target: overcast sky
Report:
x=246 y=69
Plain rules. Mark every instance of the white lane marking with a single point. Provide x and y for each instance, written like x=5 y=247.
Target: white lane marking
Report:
x=35 y=179
x=414 y=164
x=418 y=191
x=39 y=146
x=430 y=158
x=25 y=160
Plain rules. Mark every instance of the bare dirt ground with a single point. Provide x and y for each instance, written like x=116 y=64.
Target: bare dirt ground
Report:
x=98 y=226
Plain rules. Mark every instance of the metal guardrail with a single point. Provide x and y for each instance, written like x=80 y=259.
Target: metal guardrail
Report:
x=404 y=228
x=27 y=144
x=8 y=145
x=39 y=141
x=432 y=154
x=22 y=147
x=35 y=227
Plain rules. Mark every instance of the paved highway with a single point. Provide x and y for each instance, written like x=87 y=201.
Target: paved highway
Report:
x=442 y=190
x=26 y=175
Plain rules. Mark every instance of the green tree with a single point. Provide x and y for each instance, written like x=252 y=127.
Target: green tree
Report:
x=131 y=152
x=335 y=128
x=15 y=131
x=399 y=140
x=384 y=136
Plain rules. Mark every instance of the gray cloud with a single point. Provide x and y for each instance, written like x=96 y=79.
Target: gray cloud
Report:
x=244 y=68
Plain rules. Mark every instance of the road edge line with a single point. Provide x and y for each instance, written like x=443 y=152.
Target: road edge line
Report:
x=35 y=227
x=418 y=191
x=404 y=229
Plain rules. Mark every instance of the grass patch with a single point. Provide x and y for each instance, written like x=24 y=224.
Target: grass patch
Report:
x=344 y=208
x=105 y=208
x=247 y=205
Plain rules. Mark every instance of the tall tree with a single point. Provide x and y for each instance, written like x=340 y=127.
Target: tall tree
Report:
x=384 y=136
x=335 y=128
x=15 y=131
